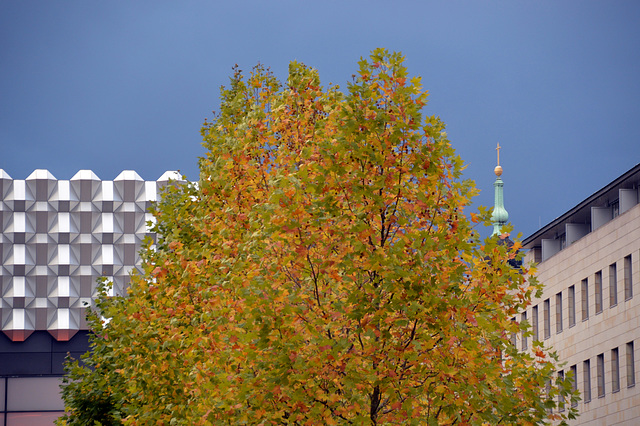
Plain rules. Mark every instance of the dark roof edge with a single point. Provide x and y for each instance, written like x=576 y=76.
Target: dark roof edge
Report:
x=635 y=169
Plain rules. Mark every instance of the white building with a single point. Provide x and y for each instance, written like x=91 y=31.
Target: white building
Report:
x=56 y=238
x=589 y=263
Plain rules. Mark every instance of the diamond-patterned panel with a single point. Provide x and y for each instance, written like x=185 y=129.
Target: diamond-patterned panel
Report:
x=58 y=236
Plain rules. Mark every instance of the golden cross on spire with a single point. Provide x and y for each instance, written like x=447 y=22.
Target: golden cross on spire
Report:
x=498 y=169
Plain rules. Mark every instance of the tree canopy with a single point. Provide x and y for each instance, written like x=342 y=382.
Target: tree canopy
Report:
x=321 y=271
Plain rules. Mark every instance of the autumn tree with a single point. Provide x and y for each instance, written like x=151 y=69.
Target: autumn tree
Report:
x=322 y=271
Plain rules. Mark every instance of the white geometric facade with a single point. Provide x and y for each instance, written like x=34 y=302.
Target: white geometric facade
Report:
x=58 y=236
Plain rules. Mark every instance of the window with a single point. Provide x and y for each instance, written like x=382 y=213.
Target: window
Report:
x=559 y=312
x=547 y=389
x=547 y=319
x=537 y=254
x=534 y=325
x=571 y=300
x=598 y=288
x=586 y=380
x=523 y=318
x=560 y=397
x=30 y=401
x=628 y=284
x=613 y=285
x=600 y=373
x=513 y=334
x=574 y=382
x=631 y=366
x=585 y=299
x=615 y=371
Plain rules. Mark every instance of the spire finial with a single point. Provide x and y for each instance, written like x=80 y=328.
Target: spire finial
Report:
x=500 y=215
x=498 y=169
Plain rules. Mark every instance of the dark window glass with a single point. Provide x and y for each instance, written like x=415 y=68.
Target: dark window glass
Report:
x=600 y=373
x=547 y=319
x=598 y=290
x=534 y=321
x=571 y=301
x=631 y=366
x=613 y=285
x=586 y=380
x=523 y=318
x=585 y=299
x=574 y=382
x=560 y=397
x=615 y=371
x=559 y=312
x=628 y=279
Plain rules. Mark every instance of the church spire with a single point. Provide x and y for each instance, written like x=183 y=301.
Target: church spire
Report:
x=500 y=215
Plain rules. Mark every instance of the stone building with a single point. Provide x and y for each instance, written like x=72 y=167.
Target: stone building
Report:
x=590 y=309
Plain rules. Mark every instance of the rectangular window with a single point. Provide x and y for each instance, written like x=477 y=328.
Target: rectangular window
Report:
x=547 y=319
x=574 y=382
x=598 y=288
x=547 y=389
x=600 y=373
x=586 y=380
x=628 y=283
x=534 y=325
x=585 y=299
x=523 y=318
x=34 y=394
x=615 y=371
x=631 y=366
x=613 y=285
x=571 y=300
x=559 y=312
x=560 y=397
x=513 y=334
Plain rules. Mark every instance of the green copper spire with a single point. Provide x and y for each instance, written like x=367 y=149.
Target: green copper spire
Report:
x=500 y=215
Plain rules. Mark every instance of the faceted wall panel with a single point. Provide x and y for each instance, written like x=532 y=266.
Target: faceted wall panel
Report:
x=58 y=236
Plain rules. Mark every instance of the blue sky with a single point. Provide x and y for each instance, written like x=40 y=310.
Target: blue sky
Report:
x=117 y=85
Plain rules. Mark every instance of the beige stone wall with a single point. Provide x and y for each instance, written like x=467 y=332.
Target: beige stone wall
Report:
x=613 y=327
